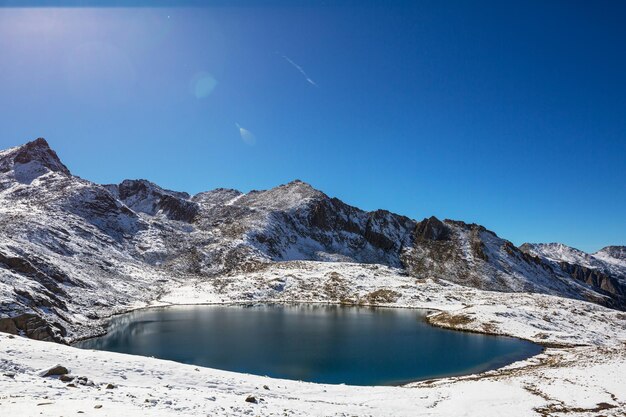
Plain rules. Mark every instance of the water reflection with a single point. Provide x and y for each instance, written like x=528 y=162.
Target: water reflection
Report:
x=319 y=343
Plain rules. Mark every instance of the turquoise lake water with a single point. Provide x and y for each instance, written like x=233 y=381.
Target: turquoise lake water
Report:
x=317 y=343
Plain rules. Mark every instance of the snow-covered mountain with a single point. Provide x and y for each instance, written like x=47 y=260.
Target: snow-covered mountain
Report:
x=605 y=269
x=70 y=247
x=611 y=259
x=614 y=258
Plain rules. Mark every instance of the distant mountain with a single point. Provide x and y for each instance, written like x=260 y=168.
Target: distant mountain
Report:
x=614 y=258
x=605 y=269
x=67 y=243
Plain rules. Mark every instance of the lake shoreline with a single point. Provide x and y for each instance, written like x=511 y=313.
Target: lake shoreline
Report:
x=127 y=330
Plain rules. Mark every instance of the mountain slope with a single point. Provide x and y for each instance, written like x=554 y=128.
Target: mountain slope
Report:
x=614 y=259
x=605 y=269
x=70 y=247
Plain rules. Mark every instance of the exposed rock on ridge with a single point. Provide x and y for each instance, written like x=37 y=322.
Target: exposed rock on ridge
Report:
x=68 y=245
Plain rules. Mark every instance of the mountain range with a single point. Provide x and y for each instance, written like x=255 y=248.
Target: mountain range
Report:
x=69 y=246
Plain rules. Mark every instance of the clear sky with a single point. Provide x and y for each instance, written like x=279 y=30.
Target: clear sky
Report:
x=507 y=114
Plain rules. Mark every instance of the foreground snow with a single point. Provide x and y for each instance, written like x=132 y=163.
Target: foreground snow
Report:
x=589 y=379
x=559 y=379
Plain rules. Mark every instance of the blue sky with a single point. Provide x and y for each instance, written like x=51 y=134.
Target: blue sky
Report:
x=510 y=115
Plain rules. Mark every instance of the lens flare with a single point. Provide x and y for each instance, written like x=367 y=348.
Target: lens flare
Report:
x=247 y=136
x=202 y=85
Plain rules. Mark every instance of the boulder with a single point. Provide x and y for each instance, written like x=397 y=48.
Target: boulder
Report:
x=54 y=371
x=66 y=378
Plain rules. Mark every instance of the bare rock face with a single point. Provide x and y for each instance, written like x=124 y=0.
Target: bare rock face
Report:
x=605 y=270
x=55 y=370
x=7 y=325
x=146 y=197
x=615 y=252
x=37 y=151
x=432 y=229
x=67 y=244
x=34 y=327
x=599 y=280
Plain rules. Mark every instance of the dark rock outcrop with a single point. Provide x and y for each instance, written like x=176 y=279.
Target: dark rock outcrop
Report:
x=432 y=229
x=36 y=151
x=598 y=280
x=33 y=326
x=146 y=197
x=55 y=371
x=615 y=252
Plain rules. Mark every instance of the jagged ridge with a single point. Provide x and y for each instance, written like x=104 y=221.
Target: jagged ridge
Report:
x=67 y=242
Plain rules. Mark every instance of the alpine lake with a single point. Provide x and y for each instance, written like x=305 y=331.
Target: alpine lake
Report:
x=310 y=342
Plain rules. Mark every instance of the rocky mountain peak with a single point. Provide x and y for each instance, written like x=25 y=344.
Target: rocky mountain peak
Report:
x=616 y=252
x=292 y=195
x=129 y=188
x=37 y=151
x=137 y=224
x=147 y=197
x=432 y=229
x=300 y=187
x=217 y=196
x=555 y=250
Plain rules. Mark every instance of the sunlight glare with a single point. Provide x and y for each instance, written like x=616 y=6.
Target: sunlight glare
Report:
x=202 y=84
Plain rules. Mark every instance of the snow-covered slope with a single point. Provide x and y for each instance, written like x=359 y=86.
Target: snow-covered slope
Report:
x=614 y=259
x=583 y=373
x=611 y=259
x=66 y=246
x=72 y=251
x=605 y=269
x=296 y=222
x=142 y=196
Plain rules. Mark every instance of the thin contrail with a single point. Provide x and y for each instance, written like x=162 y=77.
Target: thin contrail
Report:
x=299 y=68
